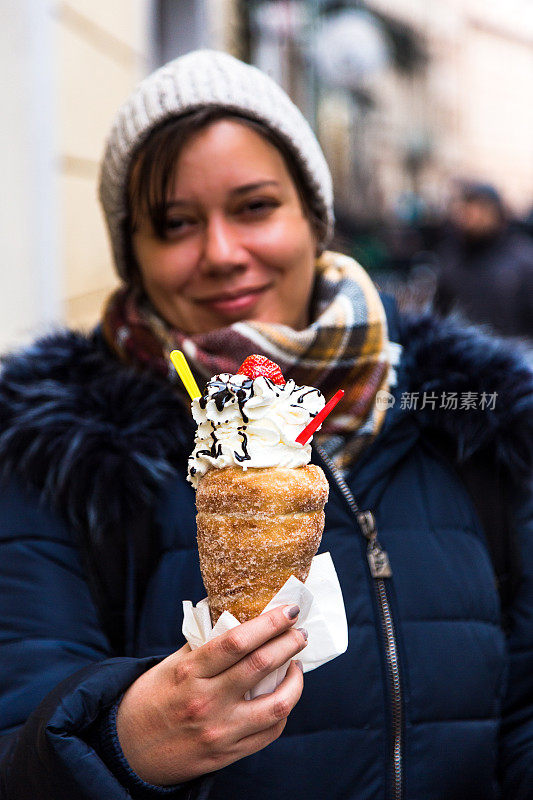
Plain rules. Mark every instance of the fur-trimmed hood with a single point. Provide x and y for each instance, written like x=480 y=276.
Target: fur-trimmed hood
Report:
x=442 y=358
x=96 y=438
x=74 y=422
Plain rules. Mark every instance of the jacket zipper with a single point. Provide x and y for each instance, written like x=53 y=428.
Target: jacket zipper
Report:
x=378 y=562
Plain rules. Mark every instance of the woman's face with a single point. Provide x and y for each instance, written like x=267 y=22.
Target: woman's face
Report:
x=238 y=246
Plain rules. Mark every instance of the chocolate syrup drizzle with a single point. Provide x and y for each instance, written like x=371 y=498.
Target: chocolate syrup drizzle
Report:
x=246 y=455
x=300 y=400
x=227 y=392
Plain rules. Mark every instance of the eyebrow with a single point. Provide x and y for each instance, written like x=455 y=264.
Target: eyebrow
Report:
x=251 y=187
x=239 y=190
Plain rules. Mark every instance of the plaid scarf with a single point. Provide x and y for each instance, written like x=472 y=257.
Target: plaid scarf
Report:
x=345 y=346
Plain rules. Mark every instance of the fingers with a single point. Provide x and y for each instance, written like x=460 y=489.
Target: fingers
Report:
x=229 y=648
x=255 y=666
x=262 y=717
x=257 y=741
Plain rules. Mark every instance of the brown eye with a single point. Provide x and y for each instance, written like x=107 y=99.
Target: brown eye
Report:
x=175 y=226
x=259 y=206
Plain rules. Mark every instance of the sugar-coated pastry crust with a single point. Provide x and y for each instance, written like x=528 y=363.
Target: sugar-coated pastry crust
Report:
x=256 y=528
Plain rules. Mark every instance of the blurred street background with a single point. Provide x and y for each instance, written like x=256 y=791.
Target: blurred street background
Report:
x=417 y=104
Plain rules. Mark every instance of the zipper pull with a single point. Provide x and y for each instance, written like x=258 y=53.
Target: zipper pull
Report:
x=378 y=560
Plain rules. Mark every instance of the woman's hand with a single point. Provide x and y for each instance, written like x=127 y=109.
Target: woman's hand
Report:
x=187 y=716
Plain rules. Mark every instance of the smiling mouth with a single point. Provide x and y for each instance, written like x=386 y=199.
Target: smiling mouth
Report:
x=230 y=302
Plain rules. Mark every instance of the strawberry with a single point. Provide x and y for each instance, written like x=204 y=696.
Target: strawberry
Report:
x=259 y=366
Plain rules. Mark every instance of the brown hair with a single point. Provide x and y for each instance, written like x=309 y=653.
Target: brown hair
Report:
x=152 y=169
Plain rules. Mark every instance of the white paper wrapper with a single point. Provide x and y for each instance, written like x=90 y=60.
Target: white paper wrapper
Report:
x=322 y=614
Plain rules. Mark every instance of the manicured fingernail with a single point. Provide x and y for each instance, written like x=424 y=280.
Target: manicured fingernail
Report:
x=299 y=664
x=303 y=632
x=291 y=611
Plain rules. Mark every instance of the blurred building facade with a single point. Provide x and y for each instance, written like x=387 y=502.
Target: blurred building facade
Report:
x=465 y=113
x=448 y=100
x=424 y=92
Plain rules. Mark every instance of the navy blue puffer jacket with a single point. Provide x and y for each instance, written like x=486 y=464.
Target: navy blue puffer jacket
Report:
x=431 y=701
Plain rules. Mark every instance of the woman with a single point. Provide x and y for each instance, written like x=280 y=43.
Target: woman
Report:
x=218 y=203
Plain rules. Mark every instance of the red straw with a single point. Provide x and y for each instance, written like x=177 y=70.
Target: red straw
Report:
x=320 y=417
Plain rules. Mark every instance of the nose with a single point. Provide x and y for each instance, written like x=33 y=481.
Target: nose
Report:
x=222 y=251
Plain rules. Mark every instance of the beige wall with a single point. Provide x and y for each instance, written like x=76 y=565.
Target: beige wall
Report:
x=101 y=55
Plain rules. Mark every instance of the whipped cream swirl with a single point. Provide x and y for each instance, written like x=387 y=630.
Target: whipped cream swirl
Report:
x=251 y=423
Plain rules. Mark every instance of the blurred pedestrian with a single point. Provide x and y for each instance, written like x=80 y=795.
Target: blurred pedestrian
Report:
x=486 y=267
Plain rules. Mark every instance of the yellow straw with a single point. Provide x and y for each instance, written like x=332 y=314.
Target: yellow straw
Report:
x=184 y=371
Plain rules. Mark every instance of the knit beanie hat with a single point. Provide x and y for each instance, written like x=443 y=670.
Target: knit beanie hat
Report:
x=197 y=79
